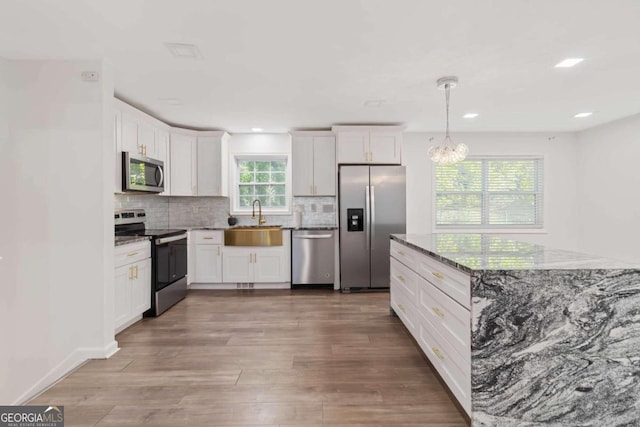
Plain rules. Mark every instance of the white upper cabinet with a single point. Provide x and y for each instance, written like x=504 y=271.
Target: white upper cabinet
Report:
x=324 y=165
x=353 y=147
x=369 y=144
x=384 y=147
x=302 y=165
x=314 y=164
x=183 y=156
x=130 y=134
x=211 y=169
x=147 y=140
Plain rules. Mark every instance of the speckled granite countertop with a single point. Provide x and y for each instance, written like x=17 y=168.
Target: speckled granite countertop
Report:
x=472 y=251
x=284 y=227
x=125 y=240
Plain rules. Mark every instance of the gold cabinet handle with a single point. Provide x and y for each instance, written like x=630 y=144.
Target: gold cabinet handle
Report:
x=401 y=253
x=401 y=278
x=437 y=311
x=436 y=351
x=401 y=307
x=438 y=275
x=218 y=250
x=131 y=273
x=208 y=238
x=136 y=266
x=132 y=254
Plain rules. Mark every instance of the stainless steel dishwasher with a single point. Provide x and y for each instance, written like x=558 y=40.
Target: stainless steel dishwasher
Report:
x=312 y=257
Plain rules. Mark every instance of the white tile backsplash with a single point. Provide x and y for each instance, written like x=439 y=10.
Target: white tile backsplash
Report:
x=175 y=212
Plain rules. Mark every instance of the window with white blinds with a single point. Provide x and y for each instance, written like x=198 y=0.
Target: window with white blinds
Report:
x=490 y=192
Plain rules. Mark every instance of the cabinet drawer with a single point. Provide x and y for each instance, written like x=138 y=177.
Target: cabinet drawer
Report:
x=405 y=279
x=449 y=280
x=134 y=252
x=454 y=370
x=404 y=308
x=446 y=316
x=404 y=254
x=209 y=237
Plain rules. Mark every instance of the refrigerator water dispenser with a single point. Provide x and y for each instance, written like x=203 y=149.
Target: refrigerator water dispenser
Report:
x=355 y=219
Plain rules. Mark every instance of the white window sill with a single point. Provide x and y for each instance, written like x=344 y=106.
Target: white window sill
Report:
x=490 y=230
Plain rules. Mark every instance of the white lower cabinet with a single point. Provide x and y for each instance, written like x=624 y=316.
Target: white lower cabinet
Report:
x=255 y=264
x=207 y=256
x=132 y=293
x=439 y=321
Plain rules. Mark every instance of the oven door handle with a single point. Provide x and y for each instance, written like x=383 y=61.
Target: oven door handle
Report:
x=170 y=239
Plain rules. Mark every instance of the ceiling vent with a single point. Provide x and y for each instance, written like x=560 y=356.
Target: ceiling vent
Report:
x=184 y=50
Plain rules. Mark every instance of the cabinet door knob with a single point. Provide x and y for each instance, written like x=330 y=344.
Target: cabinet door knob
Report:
x=401 y=278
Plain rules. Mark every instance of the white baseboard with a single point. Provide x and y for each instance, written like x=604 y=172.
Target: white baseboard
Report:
x=128 y=323
x=77 y=357
x=234 y=286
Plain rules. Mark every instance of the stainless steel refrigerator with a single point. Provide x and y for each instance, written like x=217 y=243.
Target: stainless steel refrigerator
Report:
x=372 y=206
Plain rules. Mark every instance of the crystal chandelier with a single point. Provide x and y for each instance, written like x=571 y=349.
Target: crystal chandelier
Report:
x=448 y=152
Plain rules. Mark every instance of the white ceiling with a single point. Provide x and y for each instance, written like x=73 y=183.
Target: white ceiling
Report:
x=296 y=64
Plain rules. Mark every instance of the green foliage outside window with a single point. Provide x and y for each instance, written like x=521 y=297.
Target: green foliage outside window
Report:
x=264 y=180
x=489 y=192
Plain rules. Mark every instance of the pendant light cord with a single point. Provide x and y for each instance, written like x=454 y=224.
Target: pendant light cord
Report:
x=446 y=94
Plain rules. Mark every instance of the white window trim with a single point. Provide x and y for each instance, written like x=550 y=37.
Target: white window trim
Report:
x=233 y=178
x=435 y=228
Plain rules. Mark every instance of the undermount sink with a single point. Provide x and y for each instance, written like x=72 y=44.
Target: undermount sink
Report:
x=253 y=235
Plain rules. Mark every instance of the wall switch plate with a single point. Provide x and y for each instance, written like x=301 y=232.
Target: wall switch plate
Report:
x=90 y=76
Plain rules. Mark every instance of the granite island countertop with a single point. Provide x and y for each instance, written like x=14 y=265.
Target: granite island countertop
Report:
x=473 y=251
x=284 y=227
x=555 y=334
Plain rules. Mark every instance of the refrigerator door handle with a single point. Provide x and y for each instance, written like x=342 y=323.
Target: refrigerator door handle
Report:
x=367 y=214
x=373 y=217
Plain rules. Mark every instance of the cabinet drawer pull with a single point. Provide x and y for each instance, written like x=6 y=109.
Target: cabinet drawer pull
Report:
x=401 y=307
x=437 y=311
x=208 y=238
x=132 y=254
x=401 y=253
x=436 y=351
x=438 y=275
x=136 y=271
x=401 y=278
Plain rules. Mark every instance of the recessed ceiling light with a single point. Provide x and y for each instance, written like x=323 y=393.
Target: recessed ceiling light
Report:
x=374 y=103
x=171 y=101
x=184 y=50
x=256 y=129
x=471 y=115
x=569 y=62
x=583 y=115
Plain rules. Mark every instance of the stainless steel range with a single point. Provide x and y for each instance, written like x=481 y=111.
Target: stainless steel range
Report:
x=168 y=259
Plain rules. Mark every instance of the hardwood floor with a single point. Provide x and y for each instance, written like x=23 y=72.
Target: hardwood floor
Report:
x=261 y=358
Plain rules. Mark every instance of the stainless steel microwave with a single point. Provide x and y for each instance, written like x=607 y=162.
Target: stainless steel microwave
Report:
x=142 y=173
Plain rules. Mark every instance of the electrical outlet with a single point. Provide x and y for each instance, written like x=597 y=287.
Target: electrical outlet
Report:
x=313 y=207
x=90 y=76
